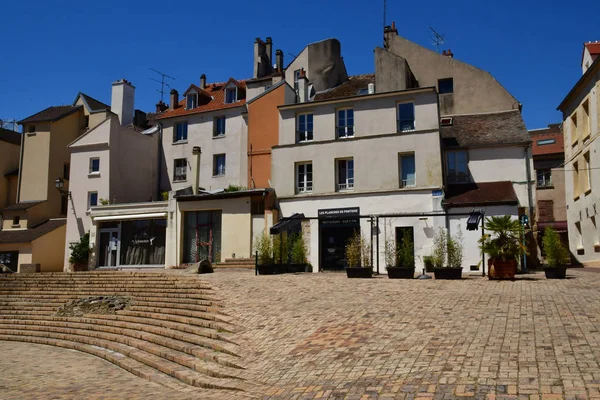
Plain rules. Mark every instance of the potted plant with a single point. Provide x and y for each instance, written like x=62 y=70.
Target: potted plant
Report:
x=357 y=256
x=447 y=255
x=298 y=254
x=400 y=261
x=264 y=249
x=80 y=254
x=503 y=246
x=428 y=263
x=556 y=255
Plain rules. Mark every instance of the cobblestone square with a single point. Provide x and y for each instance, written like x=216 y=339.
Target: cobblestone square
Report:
x=317 y=336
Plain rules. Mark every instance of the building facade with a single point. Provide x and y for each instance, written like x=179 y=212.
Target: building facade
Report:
x=581 y=126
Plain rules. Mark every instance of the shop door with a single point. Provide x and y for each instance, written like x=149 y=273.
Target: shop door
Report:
x=108 y=248
x=202 y=236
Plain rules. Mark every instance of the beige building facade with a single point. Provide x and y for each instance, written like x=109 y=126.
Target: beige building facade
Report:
x=10 y=148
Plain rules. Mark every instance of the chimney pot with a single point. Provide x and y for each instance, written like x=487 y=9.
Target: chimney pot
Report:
x=203 y=81
x=174 y=98
x=279 y=60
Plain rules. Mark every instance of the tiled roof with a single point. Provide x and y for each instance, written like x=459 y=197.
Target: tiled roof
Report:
x=593 y=47
x=94 y=104
x=24 y=205
x=50 y=114
x=487 y=129
x=347 y=89
x=217 y=91
x=10 y=136
x=29 y=235
x=482 y=193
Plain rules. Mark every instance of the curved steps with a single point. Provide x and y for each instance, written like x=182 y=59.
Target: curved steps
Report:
x=175 y=331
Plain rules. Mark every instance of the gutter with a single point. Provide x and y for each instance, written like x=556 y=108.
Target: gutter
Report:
x=529 y=189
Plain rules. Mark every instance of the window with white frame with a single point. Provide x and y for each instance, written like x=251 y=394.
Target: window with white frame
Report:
x=219 y=126
x=192 y=101
x=304 y=177
x=94 y=165
x=544 y=178
x=345 y=123
x=457 y=165
x=92 y=199
x=345 y=174
x=408 y=176
x=180 y=132
x=231 y=95
x=219 y=165
x=304 y=128
x=180 y=170
x=406 y=117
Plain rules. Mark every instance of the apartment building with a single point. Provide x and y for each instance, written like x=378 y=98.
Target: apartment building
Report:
x=10 y=148
x=581 y=126
x=548 y=159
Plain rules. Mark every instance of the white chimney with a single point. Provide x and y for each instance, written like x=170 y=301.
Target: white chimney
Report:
x=196 y=154
x=371 y=88
x=302 y=87
x=122 y=101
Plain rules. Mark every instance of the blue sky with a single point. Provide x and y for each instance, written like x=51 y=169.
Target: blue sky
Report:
x=54 y=49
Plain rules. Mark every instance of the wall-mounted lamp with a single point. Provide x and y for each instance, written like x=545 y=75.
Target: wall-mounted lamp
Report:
x=60 y=183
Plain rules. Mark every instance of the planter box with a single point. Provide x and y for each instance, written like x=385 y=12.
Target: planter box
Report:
x=295 y=268
x=499 y=269
x=556 y=272
x=400 y=273
x=359 y=272
x=269 y=269
x=447 y=273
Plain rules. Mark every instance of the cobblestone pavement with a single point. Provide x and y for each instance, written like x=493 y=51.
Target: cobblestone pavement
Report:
x=323 y=336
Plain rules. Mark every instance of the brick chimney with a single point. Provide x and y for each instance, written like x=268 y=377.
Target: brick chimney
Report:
x=161 y=106
x=269 y=50
x=203 y=81
x=302 y=94
x=174 y=98
x=448 y=53
x=279 y=60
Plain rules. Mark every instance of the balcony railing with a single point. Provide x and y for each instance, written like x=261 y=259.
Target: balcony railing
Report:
x=345 y=186
x=408 y=183
x=544 y=184
x=304 y=189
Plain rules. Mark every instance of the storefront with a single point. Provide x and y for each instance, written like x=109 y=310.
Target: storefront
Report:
x=336 y=227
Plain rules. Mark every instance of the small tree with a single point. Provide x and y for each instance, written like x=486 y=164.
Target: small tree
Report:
x=455 y=250
x=390 y=252
x=440 y=248
x=298 y=249
x=554 y=251
x=80 y=251
x=353 y=250
x=264 y=246
x=406 y=252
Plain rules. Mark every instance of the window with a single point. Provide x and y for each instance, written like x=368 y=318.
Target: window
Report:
x=574 y=133
x=94 y=165
x=345 y=123
x=86 y=121
x=219 y=165
x=588 y=172
x=219 y=126
x=576 y=190
x=362 y=92
x=180 y=170
x=92 y=199
x=63 y=204
x=585 y=120
x=297 y=74
x=458 y=171
x=406 y=117
x=543 y=142
x=304 y=178
x=66 y=171
x=345 y=174
x=180 y=132
x=31 y=129
x=304 y=132
x=192 y=101
x=408 y=177
x=544 y=178
x=16 y=222
x=446 y=85
x=231 y=95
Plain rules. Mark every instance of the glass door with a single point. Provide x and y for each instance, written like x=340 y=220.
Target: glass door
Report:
x=108 y=249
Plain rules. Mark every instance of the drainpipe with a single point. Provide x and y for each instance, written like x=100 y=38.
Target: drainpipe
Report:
x=529 y=190
x=20 y=166
x=159 y=158
x=196 y=153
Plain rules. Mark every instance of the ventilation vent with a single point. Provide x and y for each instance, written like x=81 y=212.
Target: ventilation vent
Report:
x=446 y=121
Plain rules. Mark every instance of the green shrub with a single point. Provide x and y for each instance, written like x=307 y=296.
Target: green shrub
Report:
x=165 y=196
x=353 y=250
x=298 y=249
x=264 y=247
x=80 y=251
x=440 y=248
x=235 y=188
x=103 y=202
x=554 y=251
x=455 y=250
x=406 y=251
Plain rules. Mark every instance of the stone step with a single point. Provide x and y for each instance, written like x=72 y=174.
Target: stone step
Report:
x=180 y=319
x=173 y=369
x=178 y=306
x=233 y=266
x=62 y=298
x=220 y=319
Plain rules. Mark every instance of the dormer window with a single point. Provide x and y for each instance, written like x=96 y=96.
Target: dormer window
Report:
x=231 y=95
x=192 y=101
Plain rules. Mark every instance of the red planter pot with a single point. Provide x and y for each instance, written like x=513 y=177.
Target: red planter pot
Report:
x=500 y=269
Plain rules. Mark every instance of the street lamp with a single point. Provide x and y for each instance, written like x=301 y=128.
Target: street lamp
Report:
x=60 y=183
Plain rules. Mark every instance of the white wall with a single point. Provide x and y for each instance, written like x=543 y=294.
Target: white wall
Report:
x=200 y=133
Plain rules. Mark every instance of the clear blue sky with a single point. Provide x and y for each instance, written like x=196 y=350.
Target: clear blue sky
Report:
x=51 y=52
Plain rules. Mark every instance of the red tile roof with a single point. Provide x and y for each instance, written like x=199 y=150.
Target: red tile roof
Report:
x=217 y=91
x=481 y=193
x=593 y=48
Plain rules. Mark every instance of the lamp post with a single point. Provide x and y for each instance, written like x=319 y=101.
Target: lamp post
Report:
x=59 y=183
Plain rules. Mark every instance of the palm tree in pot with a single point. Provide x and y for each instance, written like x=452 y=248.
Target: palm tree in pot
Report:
x=400 y=260
x=358 y=257
x=503 y=246
x=556 y=255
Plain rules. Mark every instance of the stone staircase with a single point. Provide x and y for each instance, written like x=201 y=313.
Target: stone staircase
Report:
x=174 y=332
x=248 y=263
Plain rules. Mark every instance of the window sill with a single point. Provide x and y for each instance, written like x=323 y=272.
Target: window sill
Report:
x=345 y=137
x=15 y=226
x=94 y=175
x=218 y=136
x=576 y=198
x=179 y=180
x=303 y=141
x=588 y=191
x=544 y=187
x=180 y=142
x=218 y=176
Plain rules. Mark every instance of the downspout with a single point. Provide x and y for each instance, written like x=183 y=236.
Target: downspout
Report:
x=160 y=152
x=20 y=166
x=529 y=190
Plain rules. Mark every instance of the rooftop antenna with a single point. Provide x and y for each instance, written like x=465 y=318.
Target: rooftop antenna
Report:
x=437 y=39
x=162 y=82
x=6 y=123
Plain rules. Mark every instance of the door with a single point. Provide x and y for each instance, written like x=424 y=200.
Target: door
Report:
x=10 y=259
x=202 y=236
x=403 y=232
x=108 y=248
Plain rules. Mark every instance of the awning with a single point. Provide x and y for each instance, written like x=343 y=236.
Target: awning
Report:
x=285 y=224
x=130 y=216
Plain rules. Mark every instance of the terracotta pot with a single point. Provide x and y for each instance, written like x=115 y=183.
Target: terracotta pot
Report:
x=500 y=269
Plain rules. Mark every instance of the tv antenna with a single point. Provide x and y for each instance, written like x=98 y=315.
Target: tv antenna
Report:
x=162 y=82
x=437 y=39
x=5 y=123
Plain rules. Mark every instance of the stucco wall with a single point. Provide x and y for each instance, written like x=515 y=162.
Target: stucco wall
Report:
x=24 y=250
x=35 y=164
x=48 y=250
x=475 y=90
x=9 y=161
x=200 y=133
x=556 y=192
